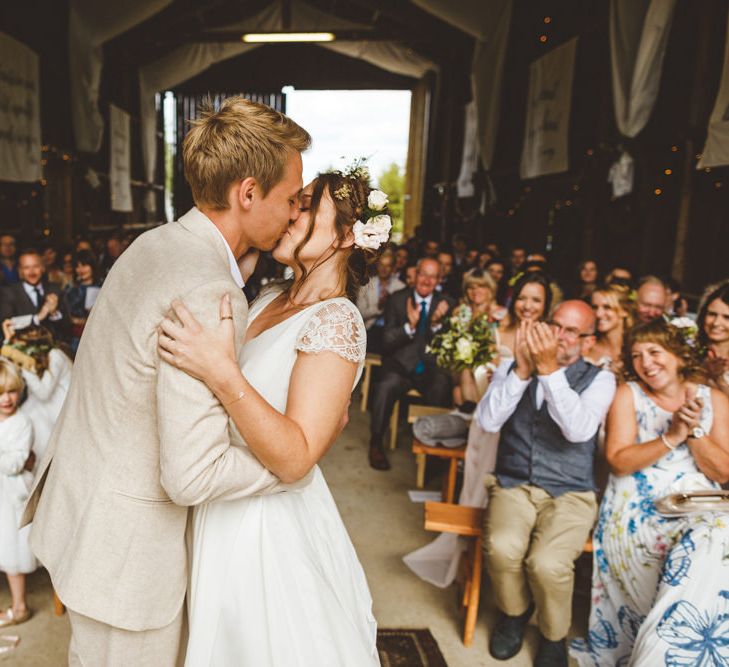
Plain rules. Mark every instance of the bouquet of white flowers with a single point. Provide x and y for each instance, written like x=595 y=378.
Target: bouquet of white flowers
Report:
x=466 y=342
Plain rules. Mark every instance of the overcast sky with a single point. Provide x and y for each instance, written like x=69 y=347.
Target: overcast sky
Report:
x=346 y=124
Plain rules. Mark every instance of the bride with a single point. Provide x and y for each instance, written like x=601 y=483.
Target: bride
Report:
x=275 y=580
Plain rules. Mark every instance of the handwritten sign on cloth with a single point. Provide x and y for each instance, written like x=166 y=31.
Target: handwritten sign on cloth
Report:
x=119 y=160
x=20 y=132
x=716 y=150
x=548 y=113
x=469 y=159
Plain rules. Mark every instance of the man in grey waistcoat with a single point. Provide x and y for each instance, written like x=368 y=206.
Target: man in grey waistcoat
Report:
x=548 y=403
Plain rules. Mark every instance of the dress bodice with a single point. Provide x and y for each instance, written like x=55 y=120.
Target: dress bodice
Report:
x=333 y=325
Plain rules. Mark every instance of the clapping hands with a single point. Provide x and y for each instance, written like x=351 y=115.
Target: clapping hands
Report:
x=687 y=417
x=536 y=349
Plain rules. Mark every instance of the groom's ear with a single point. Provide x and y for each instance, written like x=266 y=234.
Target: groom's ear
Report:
x=246 y=193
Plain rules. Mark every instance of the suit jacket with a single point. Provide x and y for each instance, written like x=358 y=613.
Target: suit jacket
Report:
x=139 y=441
x=15 y=301
x=400 y=350
x=368 y=299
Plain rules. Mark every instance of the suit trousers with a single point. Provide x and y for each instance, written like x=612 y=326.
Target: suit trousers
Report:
x=433 y=384
x=531 y=542
x=96 y=644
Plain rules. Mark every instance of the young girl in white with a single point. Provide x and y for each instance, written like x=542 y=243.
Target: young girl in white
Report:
x=16 y=440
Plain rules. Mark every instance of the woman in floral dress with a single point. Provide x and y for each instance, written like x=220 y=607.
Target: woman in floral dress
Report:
x=660 y=587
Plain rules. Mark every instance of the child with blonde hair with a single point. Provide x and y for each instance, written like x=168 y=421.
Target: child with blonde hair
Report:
x=16 y=441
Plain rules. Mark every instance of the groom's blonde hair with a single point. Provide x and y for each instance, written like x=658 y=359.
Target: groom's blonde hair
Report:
x=242 y=139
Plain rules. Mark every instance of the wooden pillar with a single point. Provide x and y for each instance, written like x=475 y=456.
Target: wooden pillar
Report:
x=417 y=151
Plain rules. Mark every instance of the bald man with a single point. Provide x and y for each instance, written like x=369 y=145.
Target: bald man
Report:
x=548 y=405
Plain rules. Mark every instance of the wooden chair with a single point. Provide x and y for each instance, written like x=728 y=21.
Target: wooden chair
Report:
x=465 y=521
x=371 y=360
x=395 y=417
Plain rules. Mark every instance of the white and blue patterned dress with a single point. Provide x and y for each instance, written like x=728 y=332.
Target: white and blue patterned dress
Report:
x=660 y=586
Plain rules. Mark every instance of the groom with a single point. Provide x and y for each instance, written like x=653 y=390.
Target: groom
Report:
x=138 y=441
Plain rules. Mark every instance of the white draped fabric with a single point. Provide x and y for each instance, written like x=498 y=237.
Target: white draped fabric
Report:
x=548 y=113
x=120 y=185
x=638 y=34
x=20 y=135
x=469 y=155
x=716 y=151
x=90 y=24
x=489 y=23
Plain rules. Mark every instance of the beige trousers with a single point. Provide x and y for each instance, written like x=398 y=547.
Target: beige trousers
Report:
x=531 y=542
x=96 y=644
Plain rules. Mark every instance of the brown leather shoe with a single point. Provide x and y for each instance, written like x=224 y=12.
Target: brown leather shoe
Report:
x=378 y=460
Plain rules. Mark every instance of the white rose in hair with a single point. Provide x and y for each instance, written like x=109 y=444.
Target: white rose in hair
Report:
x=377 y=200
x=368 y=236
x=381 y=223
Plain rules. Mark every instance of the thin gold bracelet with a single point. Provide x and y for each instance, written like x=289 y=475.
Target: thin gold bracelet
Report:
x=665 y=441
x=241 y=394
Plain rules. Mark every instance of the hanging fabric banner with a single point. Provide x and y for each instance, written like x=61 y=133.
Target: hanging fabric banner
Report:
x=716 y=150
x=548 y=113
x=469 y=159
x=119 y=160
x=20 y=142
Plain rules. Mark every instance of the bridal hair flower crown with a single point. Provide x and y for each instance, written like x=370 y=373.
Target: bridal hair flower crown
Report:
x=376 y=230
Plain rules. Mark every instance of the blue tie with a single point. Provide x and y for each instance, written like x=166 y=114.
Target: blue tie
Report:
x=422 y=326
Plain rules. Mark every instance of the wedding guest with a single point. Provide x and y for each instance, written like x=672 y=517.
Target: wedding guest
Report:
x=666 y=433
x=47 y=385
x=113 y=249
x=410 y=273
x=479 y=291
x=619 y=275
x=34 y=296
x=484 y=257
x=494 y=249
x=713 y=324
x=588 y=278
x=460 y=245
x=8 y=260
x=69 y=268
x=548 y=406
x=676 y=304
x=402 y=259
x=54 y=273
x=412 y=316
x=614 y=317
x=449 y=276
x=80 y=296
x=471 y=261
x=84 y=245
x=430 y=248
x=372 y=299
x=537 y=262
x=650 y=299
x=497 y=270
x=517 y=259
x=532 y=300
x=16 y=461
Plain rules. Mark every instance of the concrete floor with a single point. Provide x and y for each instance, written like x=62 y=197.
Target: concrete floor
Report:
x=384 y=525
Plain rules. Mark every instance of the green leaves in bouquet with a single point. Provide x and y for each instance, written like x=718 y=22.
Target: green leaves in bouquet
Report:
x=465 y=342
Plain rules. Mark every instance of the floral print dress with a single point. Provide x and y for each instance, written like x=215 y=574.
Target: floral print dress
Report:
x=660 y=586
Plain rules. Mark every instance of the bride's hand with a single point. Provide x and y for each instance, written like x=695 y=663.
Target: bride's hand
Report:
x=200 y=352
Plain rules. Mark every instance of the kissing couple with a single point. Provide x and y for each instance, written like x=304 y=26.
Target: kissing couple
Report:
x=193 y=427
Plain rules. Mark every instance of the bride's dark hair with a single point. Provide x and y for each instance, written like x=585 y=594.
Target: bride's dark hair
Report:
x=349 y=195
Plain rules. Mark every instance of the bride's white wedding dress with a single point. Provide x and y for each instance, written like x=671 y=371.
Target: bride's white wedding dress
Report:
x=275 y=580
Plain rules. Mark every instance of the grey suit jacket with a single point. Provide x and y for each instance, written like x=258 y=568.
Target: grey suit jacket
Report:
x=139 y=441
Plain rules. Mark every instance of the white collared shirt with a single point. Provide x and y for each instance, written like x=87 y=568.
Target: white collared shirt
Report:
x=234 y=268
x=577 y=415
x=418 y=300
x=30 y=290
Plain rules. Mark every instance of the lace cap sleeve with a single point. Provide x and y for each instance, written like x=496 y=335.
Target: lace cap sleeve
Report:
x=335 y=326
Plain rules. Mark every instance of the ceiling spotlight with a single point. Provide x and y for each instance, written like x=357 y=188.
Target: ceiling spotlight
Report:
x=275 y=37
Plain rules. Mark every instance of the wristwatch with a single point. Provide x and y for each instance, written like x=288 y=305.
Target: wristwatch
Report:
x=697 y=432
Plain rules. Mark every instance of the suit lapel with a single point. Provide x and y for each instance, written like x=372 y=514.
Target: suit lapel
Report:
x=200 y=225
x=26 y=299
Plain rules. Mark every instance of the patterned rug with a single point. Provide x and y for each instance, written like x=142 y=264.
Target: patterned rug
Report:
x=409 y=648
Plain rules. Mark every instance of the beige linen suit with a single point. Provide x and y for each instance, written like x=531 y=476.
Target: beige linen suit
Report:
x=138 y=442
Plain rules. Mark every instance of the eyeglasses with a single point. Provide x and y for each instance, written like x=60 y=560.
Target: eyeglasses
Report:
x=569 y=332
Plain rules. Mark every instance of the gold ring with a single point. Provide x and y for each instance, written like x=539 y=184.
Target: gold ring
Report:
x=226 y=317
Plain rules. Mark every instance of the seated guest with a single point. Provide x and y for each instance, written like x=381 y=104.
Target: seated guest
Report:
x=113 y=250
x=410 y=273
x=34 y=296
x=77 y=296
x=713 y=323
x=614 y=317
x=587 y=280
x=650 y=299
x=517 y=259
x=484 y=257
x=497 y=270
x=54 y=273
x=531 y=301
x=676 y=304
x=471 y=259
x=460 y=245
x=548 y=405
x=479 y=290
x=430 y=248
x=656 y=587
x=8 y=260
x=372 y=299
x=402 y=259
x=619 y=275
x=412 y=316
x=538 y=262
x=449 y=276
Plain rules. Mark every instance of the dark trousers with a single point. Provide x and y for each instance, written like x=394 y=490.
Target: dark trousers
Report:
x=433 y=384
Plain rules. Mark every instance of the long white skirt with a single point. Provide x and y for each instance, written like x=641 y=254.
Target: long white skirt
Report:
x=276 y=583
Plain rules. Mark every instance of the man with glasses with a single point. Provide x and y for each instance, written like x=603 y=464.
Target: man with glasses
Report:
x=548 y=404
